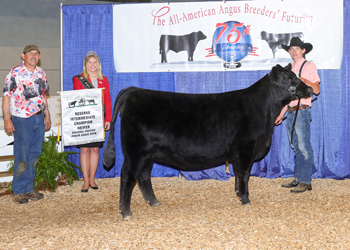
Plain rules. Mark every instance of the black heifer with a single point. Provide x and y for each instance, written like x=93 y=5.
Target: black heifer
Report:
x=276 y=40
x=198 y=131
x=179 y=43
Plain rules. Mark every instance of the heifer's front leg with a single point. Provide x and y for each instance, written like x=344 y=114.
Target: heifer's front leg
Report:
x=145 y=184
x=243 y=189
x=242 y=172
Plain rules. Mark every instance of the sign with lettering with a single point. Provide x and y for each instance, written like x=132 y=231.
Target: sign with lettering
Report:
x=229 y=35
x=82 y=116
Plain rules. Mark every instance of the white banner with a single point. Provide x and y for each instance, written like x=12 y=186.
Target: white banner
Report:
x=82 y=116
x=231 y=35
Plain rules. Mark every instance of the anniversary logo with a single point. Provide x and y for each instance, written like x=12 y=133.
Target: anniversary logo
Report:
x=82 y=116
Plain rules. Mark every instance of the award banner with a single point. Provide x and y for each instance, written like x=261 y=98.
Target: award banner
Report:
x=82 y=116
x=230 y=35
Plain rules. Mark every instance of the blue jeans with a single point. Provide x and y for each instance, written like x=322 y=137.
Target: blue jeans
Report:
x=304 y=154
x=27 y=148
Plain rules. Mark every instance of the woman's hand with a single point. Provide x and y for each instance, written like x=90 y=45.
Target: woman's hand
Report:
x=107 y=126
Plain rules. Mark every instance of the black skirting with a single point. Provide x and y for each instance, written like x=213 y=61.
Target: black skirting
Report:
x=91 y=145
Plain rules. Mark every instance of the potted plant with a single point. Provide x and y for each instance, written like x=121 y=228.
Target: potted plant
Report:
x=51 y=165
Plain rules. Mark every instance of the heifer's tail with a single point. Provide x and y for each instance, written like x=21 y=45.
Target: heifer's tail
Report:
x=109 y=152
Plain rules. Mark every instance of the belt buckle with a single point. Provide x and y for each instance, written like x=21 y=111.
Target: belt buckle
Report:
x=290 y=110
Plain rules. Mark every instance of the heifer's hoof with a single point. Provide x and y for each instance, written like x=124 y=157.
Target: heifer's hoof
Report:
x=126 y=216
x=245 y=202
x=154 y=203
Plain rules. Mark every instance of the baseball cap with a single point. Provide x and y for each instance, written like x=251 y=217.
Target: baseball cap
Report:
x=30 y=48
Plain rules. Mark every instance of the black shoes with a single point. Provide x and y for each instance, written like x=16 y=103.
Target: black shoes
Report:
x=294 y=183
x=86 y=190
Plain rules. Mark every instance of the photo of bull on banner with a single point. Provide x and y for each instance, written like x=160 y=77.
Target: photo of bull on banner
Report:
x=82 y=116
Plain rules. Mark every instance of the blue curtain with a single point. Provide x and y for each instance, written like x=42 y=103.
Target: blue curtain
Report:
x=89 y=27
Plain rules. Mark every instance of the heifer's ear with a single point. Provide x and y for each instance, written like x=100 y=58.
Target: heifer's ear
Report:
x=289 y=67
x=274 y=72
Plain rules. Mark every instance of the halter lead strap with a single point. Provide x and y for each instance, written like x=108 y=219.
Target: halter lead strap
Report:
x=295 y=119
x=296 y=113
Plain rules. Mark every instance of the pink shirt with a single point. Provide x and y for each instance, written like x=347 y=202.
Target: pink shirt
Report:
x=308 y=72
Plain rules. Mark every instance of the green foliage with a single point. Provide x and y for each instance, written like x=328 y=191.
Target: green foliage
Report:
x=50 y=164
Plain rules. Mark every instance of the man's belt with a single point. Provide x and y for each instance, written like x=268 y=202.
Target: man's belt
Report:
x=38 y=113
x=292 y=109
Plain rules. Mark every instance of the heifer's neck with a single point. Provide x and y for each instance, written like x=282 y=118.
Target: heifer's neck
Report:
x=268 y=100
x=272 y=96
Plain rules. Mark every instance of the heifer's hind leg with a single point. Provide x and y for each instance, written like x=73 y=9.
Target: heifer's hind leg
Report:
x=128 y=177
x=145 y=184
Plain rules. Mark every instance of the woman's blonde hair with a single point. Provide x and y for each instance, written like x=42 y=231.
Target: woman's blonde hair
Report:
x=85 y=73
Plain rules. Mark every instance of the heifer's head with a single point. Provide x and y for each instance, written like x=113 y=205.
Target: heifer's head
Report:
x=286 y=79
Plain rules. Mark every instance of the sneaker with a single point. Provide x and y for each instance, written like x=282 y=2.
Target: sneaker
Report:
x=20 y=198
x=35 y=195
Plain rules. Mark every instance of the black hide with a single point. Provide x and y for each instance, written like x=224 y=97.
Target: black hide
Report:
x=197 y=131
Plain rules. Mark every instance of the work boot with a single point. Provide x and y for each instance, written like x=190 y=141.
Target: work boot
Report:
x=35 y=195
x=294 y=183
x=302 y=187
x=20 y=198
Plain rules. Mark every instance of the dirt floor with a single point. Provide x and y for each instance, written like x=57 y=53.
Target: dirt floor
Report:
x=203 y=214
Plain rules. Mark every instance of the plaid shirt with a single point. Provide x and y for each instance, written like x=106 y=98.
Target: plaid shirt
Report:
x=26 y=91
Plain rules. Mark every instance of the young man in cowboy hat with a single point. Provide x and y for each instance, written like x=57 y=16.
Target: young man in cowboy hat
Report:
x=301 y=141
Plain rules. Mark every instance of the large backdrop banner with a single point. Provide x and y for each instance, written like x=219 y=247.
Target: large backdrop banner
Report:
x=330 y=124
x=231 y=35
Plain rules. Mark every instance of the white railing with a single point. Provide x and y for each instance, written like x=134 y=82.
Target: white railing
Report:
x=6 y=141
